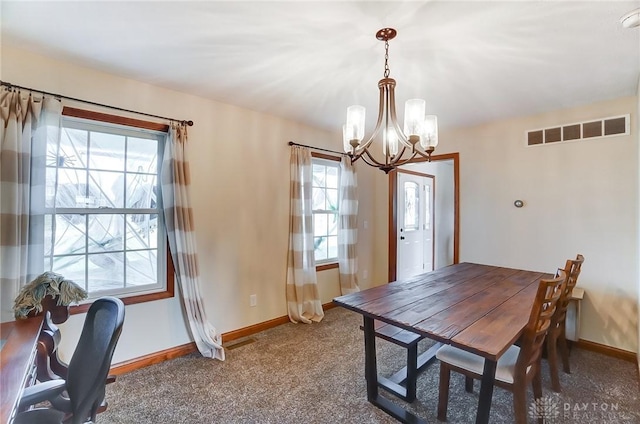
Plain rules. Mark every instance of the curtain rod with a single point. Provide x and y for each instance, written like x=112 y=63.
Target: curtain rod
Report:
x=9 y=85
x=291 y=143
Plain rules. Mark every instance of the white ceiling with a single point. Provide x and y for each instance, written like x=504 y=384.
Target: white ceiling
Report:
x=472 y=61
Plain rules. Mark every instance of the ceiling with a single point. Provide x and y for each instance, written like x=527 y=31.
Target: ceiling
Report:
x=473 y=61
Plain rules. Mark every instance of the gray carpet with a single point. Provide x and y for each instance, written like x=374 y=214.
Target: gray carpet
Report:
x=315 y=374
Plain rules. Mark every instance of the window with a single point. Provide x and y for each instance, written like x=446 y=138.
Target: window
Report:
x=103 y=224
x=326 y=173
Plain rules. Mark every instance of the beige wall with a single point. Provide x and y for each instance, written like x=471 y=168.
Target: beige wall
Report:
x=637 y=140
x=580 y=197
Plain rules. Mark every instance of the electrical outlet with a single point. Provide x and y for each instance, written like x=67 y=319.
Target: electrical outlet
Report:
x=365 y=274
x=253 y=300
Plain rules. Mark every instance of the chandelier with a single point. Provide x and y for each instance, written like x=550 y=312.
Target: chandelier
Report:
x=420 y=135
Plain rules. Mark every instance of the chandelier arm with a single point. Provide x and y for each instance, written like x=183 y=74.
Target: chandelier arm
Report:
x=387 y=148
x=376 y=165
x=394 y=119
x=407 y=160
x=364 y=154
x=424 y=155
x=376 y=130
x=397 y=158
x=372 y=159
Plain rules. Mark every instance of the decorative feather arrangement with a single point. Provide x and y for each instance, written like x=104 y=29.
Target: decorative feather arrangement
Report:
x=48 y=283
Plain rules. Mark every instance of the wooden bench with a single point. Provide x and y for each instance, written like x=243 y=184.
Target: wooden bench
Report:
x=403 y=382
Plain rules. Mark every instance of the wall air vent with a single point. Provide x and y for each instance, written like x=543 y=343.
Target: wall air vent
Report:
x=599 y=128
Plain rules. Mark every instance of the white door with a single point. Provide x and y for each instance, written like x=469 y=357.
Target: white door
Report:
x=415 y=224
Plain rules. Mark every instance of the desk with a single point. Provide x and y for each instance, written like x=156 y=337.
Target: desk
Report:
x=16 y=362
x=478 y=308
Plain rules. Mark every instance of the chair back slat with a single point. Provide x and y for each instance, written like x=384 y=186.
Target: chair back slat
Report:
x=544 y=306
x=572 y=268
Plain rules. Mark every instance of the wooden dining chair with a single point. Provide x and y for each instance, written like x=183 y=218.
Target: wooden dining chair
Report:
x=557 y=337
x=518 y=366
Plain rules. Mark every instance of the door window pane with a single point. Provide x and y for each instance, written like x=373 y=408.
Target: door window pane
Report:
x=427 y=209
x=411 y=206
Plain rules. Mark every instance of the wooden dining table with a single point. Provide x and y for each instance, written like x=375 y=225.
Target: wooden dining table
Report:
x=482 y=309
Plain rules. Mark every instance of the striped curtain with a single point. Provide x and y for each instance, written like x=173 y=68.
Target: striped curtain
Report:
x=303 y=298
x=25 y=121
x=348 y=228
x=178 y=218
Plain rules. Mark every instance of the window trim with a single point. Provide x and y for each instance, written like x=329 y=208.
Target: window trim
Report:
x=330 y=264
x=113 y=119
x=169 y=290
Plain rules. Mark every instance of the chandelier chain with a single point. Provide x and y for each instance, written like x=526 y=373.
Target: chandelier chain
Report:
x=386 y=59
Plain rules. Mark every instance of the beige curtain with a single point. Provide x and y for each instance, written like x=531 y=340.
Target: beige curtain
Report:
x=348 y=228
x=178 y=218
x=25 y=121
x=303 y=298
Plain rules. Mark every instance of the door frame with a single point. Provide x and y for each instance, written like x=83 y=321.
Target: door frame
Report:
x=393 y=211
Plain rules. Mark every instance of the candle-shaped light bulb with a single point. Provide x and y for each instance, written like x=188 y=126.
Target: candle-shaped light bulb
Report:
x=355 y=122
x=429 y=138
x=414 y=110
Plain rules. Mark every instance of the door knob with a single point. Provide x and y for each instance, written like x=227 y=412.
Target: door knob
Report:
x=401 y=237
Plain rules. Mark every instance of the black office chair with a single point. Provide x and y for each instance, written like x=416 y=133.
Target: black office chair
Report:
x=87 y=372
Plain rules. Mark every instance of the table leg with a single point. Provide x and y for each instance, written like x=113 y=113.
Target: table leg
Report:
x=486 y=392
x=370 y=364
x=412 y=372
x=371 y=374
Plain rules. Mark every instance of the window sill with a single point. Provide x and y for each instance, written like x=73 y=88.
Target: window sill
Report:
x=80 y=309
x=324 y=267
